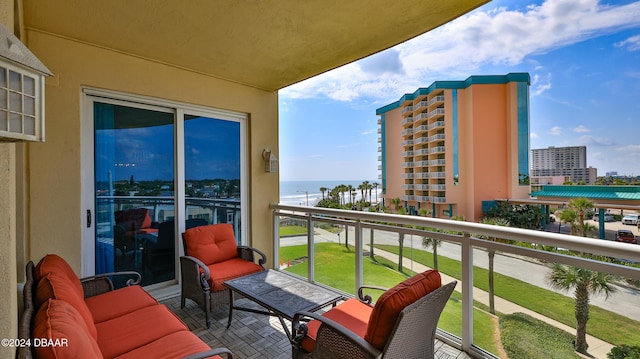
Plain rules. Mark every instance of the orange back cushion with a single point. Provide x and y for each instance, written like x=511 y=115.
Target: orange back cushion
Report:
x=55 y=263
x=56 y=286
x=63 y=328
x=211 y=244
x=388 y=307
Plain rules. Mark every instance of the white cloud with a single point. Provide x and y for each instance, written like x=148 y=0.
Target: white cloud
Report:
x=555 y=131
x=540 y=86
x=370 y=132
x=595 y=141
x=497 y=36
x=581 y=129
x=632 y=43
x=533 y=135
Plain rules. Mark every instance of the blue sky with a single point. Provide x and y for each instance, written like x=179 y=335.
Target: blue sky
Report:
x=583 y=57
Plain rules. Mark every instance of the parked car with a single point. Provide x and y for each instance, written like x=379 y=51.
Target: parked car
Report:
x=626 y=236
x=607 y=217
x=631 y=219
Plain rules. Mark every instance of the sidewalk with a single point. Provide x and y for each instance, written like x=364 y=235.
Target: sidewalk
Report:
x=597 y=348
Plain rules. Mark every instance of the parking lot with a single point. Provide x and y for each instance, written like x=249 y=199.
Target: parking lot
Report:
x=610 y=228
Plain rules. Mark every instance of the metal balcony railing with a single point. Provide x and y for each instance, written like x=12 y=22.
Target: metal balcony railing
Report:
x=466 y=242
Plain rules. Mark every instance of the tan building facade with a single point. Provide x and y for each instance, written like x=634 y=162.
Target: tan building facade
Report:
x=449 y=147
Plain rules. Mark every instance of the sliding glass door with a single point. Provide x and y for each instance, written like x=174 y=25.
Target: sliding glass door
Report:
x=155 y=166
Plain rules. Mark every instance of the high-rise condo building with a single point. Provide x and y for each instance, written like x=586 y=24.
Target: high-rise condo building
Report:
x=563 y=161
x=448 y=147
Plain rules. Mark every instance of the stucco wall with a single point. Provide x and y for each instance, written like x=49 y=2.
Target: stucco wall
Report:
x=56 y=212
x=8 y=281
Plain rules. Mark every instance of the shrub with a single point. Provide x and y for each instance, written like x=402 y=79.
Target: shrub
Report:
x=625 y=352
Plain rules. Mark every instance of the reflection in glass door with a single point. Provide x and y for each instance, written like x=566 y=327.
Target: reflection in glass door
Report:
x=212 y=172
x=134 y=190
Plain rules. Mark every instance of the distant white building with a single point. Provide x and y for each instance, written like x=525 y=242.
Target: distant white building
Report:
x=563 y=161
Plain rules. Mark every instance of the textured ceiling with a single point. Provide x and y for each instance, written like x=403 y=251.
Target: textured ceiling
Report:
x=266 y=44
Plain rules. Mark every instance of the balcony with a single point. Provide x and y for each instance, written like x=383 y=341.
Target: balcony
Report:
x=420 y=129
x=421 y=116
x=419 y=105
x=379 y=238
x=406 y=110
x=439 y=98
x=407 y=164
x=436 y=112
x=422 y=139
x=408 y=131
x=437 y=137
x=407 y=121
x=438 y=162
x=437 y=187
x=408 y=198
x=407 y=186
x=437 y=149
x=407 y=175
x=437 y=124
x=404 y=154
x=406 y=143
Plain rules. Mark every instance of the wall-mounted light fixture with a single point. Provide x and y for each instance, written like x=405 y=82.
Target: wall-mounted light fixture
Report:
x=21 y=91
x=270 y=161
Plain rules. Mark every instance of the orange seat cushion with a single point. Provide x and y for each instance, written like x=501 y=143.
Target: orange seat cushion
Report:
x=211 y=244
x=60 y=324
x=174 y=345
x=230 y=269
x=59 y=286
x=118 y=302
x=133 y=330
x=353 y=314
x=393 y=301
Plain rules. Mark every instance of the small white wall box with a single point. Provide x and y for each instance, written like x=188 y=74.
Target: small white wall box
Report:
x=21 y=91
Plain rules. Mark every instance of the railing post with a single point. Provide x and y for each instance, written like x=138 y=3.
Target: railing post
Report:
x=310 y=249
x=467 y=292
x=359 y=262
x=276 y=240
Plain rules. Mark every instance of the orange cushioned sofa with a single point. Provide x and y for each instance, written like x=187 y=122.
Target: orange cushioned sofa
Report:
x=87 y=318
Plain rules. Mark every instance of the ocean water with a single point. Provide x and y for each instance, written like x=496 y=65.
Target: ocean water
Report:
x=297 y=192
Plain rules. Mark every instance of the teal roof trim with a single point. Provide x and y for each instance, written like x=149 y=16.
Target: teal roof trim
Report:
x=591 y=192
x=471 y=80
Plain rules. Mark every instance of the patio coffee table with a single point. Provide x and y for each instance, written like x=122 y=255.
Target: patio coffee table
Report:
x=282 y=295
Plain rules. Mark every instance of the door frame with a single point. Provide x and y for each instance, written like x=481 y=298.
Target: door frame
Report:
x=179 y=109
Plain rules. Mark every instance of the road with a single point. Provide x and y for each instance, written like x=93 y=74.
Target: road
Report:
x=624 y=302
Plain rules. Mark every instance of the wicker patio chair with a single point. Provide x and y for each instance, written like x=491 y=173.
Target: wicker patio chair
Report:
x=212 y=257
x=411 y=331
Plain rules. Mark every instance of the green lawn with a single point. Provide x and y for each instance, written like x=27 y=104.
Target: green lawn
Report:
x=608 y=326
x=292 y=231
x=526 y=337
x=335 y=266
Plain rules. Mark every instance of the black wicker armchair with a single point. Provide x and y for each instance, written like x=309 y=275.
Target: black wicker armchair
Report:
x=350 y=334
x=212 y=257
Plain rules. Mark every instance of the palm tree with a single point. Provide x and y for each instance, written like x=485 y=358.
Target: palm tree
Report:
x=492 y=254
x=400 y=251
x=323 y=190
x=375 y=186
x=580 y=206
x=342 y=189
x=395 y=202
x=584 y=283
x=434 y=244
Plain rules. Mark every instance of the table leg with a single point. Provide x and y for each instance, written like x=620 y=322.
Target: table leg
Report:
x=230 y=308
